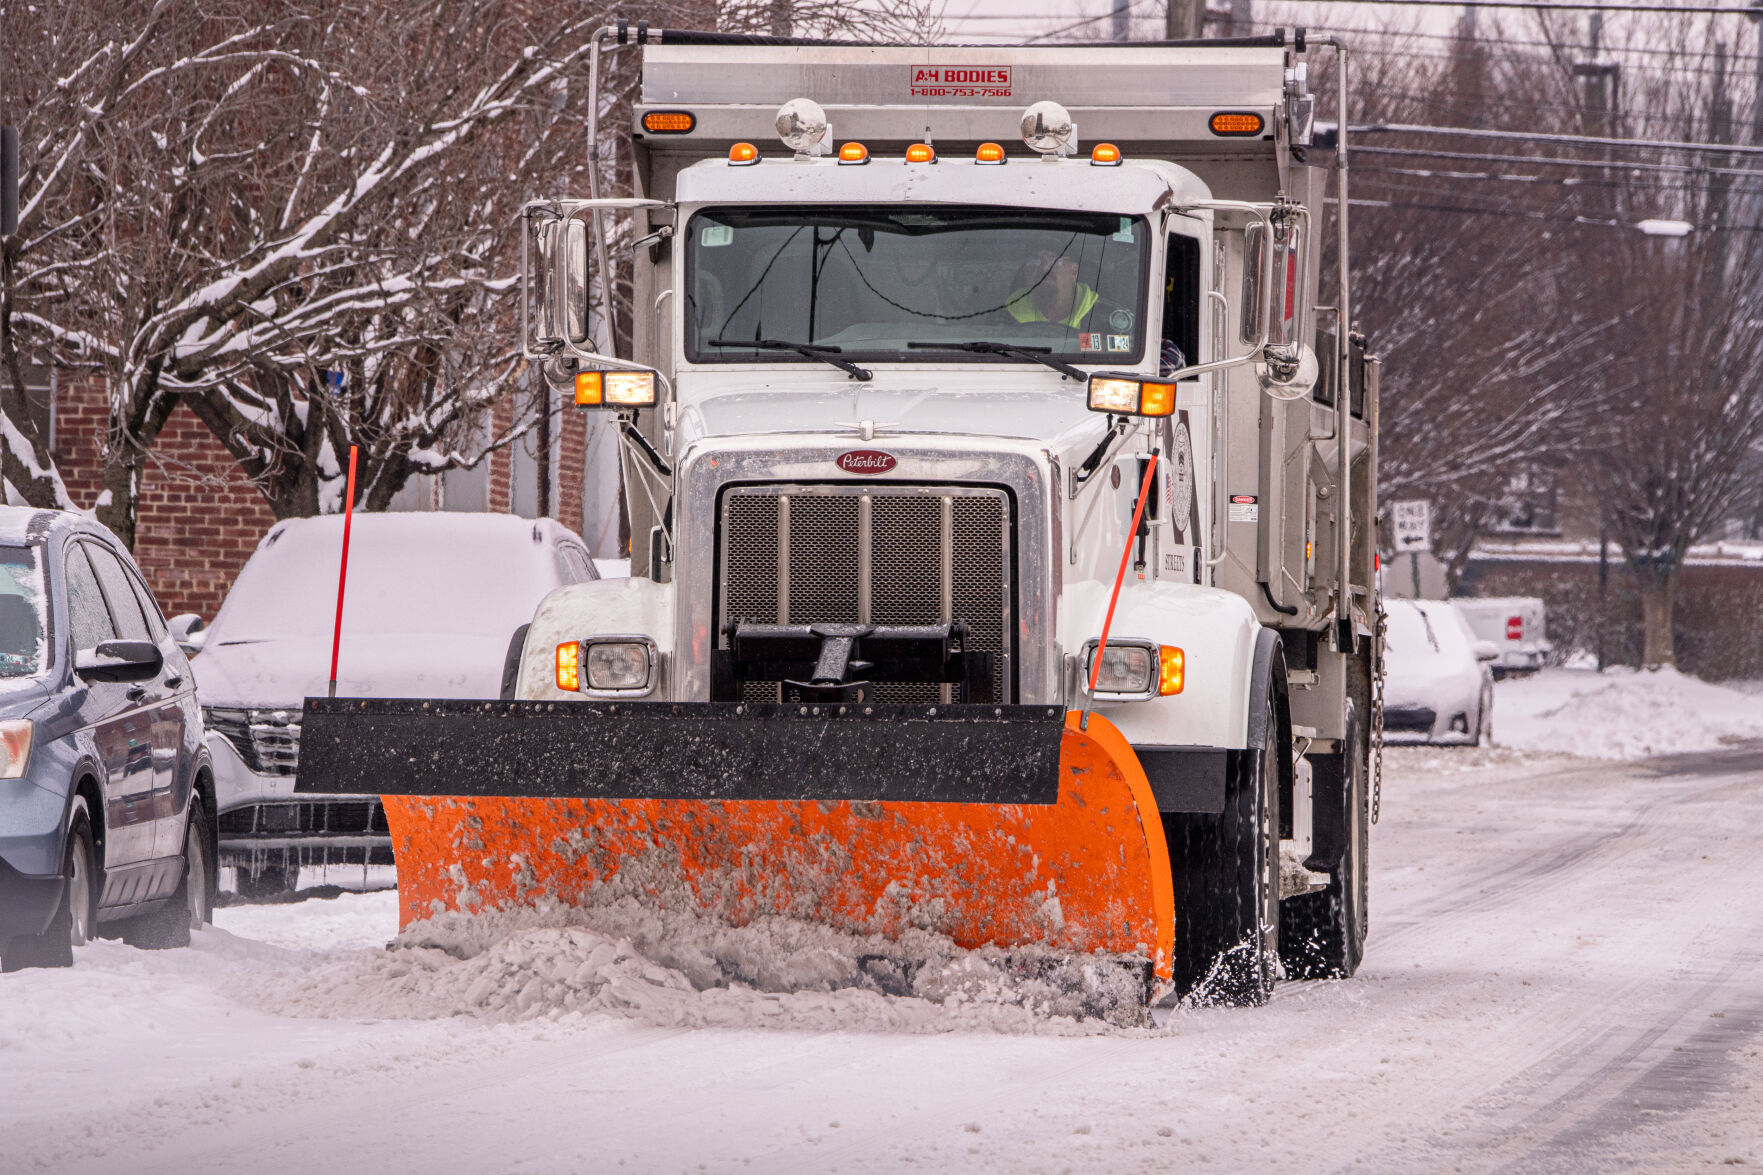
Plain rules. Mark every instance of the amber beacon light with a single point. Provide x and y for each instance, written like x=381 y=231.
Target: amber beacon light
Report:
x=743 y=154
x=1236 y=123
x=989 y=153
x=921 y=153
x=1105 y=155
x=669 y=122
x=852 y=153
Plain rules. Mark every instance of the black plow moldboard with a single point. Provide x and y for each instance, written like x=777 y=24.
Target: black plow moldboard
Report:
x=962 y=754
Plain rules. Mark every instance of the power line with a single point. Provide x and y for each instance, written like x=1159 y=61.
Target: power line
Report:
x=1541 y=6
x=1587 y=141
x=1547 y=161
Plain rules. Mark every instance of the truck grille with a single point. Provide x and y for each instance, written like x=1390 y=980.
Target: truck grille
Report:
x=864 y=555
x=267 y=740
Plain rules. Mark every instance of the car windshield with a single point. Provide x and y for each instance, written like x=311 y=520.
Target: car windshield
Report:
x=889 y=283
x=23 y=629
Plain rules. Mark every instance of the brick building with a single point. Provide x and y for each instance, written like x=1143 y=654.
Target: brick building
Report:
x=200 y=517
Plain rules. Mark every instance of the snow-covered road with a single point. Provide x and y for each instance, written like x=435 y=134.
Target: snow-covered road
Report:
x=1565 y=974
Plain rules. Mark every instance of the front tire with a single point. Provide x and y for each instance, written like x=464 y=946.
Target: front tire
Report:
x=1226 y=873
x=191 y=905
x=74 y=919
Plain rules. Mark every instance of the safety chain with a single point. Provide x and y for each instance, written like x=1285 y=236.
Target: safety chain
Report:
x=1377 y=712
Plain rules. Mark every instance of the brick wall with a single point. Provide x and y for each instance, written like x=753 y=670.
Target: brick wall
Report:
x=200 y=517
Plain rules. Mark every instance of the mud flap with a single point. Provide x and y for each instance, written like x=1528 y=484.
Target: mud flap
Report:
x=1085 y=872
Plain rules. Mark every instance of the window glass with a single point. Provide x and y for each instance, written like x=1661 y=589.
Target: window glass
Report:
x=131 y=625
x=88 y=618
x=24 y=613
x=149 y=606
x=893 y=282
x=1180 y=345
x=575 y=564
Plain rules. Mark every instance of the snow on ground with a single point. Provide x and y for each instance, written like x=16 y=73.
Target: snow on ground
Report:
x=1562 y=976
x=1623 y=713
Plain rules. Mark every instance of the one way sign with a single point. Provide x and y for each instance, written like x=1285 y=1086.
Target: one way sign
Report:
x=1413 y=525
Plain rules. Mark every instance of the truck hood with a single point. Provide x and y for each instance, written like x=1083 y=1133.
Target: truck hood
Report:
x=280 y=674
x=968 y=401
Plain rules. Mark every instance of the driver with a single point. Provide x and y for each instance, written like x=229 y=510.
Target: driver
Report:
x=1049 y=290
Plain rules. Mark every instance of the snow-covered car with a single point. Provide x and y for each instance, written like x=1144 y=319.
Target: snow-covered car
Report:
x=106 y=800
x=1515 y=625
x=1437 y=685
x=437 y=605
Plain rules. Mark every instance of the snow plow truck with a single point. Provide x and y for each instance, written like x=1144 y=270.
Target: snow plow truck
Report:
x=1001 y=468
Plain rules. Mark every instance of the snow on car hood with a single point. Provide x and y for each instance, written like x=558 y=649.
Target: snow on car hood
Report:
x=280 y=674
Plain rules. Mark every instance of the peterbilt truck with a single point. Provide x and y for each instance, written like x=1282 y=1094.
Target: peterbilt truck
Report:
x=1001 y=476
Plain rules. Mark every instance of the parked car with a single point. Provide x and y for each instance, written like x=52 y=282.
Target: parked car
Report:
x=106 y=792
x=437 y=605
x=1437 y=685
x=1515 y=625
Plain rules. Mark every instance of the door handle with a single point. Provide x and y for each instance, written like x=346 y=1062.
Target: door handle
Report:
x=136 y=692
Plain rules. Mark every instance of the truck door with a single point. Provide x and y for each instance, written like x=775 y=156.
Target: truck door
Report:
x=1182 y=546
x=122 y=736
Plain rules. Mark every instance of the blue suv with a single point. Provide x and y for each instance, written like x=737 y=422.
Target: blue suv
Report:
x=106 y=793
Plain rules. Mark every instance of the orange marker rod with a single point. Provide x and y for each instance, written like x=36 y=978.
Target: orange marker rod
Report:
x=343 y=572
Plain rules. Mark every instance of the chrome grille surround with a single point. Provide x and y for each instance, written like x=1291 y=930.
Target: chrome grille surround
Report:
x=706 y=466
x=871 y=554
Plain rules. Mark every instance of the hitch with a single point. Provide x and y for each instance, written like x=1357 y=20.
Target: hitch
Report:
x=840 y=662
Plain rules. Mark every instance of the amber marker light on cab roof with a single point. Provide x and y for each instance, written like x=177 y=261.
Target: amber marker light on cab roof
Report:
x=1105 y=155
x=853 y=153
x=921 y=153
x=669 y=122
x=1172 y=670
x=989 y=153
x=1236 y=122
x=743 y=154
x=569 y=665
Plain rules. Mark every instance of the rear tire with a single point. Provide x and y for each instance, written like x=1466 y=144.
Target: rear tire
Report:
x=1226 y=873
x=269 y=881
x=72 y=923
x=191 y=904
x=1322 y=934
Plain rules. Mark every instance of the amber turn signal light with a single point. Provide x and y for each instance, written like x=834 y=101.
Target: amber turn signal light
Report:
x=742 y=155
x=1172 y=670
x=669 y=122
x=989 y=153
x=615 y=389
x=569 y=665
x=1236 y=122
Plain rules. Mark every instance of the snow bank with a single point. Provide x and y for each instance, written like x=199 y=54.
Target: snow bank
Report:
x=1623 y=713
x=676 y=969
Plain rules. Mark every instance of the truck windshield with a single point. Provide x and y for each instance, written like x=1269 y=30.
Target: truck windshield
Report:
x=870 y=281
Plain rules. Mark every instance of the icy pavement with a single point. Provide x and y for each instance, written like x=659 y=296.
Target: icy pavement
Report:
x=1563 y=976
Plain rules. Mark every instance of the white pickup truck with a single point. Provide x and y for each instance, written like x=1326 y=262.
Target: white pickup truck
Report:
x=1515 y=625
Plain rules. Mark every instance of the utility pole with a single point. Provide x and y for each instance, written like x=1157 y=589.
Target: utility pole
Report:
x=1123 y=20
x=1185 y=20
x=780 y=18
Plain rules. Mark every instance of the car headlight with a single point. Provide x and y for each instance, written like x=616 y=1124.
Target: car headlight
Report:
x=1126 y=669
x=618 y=665
x=15 y=747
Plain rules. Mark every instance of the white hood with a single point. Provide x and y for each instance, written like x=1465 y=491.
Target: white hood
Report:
x=282 y=673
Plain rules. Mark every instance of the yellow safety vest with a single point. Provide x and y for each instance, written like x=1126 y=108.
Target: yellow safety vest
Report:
x=1023 y=309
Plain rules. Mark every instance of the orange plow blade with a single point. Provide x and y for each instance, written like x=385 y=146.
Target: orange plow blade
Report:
x=1088 y=873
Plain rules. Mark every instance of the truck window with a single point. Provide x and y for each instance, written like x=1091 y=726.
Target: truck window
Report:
x=1180 y=345
x=870 y=281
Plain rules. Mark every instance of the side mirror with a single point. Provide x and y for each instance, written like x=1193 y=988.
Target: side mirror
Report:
x=119 y=661
x=557 y=256
x=1487 y=651
x=188 y=632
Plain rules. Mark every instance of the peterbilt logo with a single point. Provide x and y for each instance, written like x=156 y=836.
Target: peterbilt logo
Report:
x=866 y=461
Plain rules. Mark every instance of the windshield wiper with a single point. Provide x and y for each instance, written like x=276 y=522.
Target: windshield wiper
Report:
x=1041 y=355
x=824 y=353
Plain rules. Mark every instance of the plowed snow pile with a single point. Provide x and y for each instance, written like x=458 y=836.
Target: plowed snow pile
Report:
x=676 y=969
x=1623 y=713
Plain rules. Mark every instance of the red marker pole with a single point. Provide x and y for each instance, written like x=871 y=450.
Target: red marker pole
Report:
x=1131 y=535
x=343 y=572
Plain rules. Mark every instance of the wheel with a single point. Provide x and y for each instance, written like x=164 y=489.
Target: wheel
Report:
x=1226 y=872
x=1484 y=719
x=268 y=879
x=74 y=919
x=1322 y=934
x=191 y=904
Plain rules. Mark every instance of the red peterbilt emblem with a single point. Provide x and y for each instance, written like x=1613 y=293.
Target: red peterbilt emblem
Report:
x=866 y=461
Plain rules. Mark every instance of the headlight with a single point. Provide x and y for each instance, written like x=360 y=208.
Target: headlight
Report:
x=618 y=665
x=1126 y=669
x=15 y=747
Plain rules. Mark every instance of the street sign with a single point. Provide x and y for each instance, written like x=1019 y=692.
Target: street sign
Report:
x=1412 y=522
